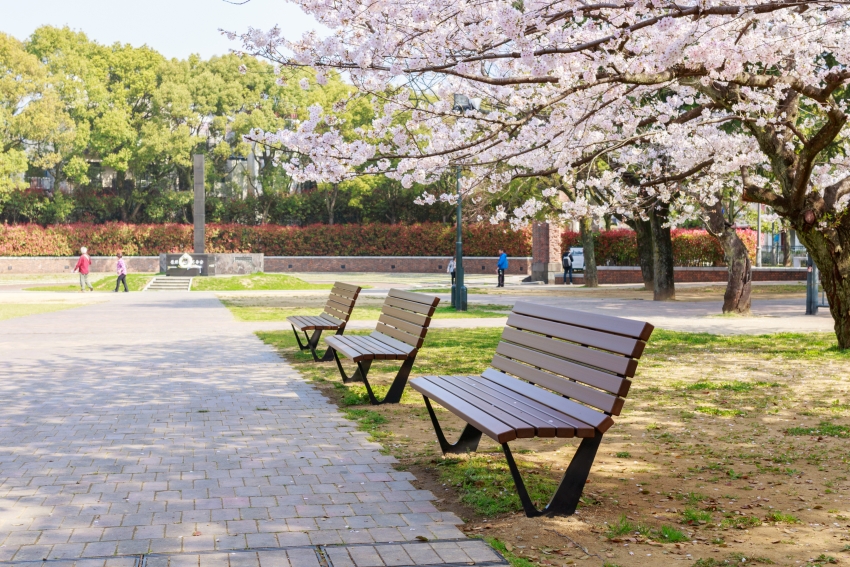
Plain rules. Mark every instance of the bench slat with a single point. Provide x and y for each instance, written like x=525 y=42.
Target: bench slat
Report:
x=602 y=400
x=344 y=303
x=415 y=318
x=544 y=426
x=410 y=306
x=336 y=314
x=606 y=361
x=415 y=342
x=606 y=323
x=571 y=427
x=606 y=341
x=590 y=416
x=427 y=300
x=396 y=344
x=415 y=330
x=349 y=288
x=332 y=319
x=596 y=378
x=341 y=344
x=387 y=352
x=484 y=422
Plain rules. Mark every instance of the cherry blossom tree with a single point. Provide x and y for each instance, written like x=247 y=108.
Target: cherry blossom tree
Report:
x=755 y=89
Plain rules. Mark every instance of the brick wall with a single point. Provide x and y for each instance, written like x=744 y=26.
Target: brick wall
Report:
x=60 y=265
x=398 y=264
x=631 y=275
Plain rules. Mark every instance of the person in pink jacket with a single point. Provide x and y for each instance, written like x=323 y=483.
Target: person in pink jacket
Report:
x=82 y=266
x=121 y=268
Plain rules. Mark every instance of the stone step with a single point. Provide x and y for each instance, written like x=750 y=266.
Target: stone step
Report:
x=164 y=283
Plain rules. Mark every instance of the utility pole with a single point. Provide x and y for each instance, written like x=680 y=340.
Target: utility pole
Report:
x=758 y=236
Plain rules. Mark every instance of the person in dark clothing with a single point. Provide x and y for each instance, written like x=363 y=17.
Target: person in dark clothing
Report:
x=501 y=267
x=452 y=269
x=568 y=266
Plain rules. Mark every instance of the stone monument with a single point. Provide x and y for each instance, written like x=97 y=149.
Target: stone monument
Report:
x=545 y=252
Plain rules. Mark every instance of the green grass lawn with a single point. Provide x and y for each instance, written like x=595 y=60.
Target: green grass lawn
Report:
x=364 y=313
x=136 y=282
x=259 y=282
x=12 y=310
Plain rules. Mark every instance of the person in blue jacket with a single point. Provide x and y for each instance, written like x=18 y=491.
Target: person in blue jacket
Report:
x=502 y=266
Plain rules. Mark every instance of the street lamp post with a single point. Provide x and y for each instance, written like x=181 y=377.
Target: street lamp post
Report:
x=459 y=290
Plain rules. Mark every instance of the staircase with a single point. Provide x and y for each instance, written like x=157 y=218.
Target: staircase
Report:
x=163 y=283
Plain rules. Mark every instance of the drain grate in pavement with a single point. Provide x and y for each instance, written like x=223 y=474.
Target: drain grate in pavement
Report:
x=440 y=553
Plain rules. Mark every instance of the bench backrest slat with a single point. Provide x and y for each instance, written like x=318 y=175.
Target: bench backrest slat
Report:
x=341 y=301
x=405 y=316
x=585 y=357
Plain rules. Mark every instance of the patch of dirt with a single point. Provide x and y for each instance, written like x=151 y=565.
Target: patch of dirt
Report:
x=740 y=464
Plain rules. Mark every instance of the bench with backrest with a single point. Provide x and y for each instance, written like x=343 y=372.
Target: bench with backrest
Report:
x=335 y=316
x=401 y=329
x=556 y=373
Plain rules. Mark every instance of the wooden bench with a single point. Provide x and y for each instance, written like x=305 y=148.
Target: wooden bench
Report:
x=556 y=373
x=334 y=318
x=401 y=329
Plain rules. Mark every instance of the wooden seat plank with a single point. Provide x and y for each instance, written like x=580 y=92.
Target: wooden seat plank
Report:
x=612 y=363
x=415 y=342
x=613 y=343
x=408 y=316
x=596 y=378
x=572 y=425
x=575 y=390
x=331 y=319
x=487 y=424
x=403 y=347
x=428 y=300
x=348 y=287
x=338 y=343
x=386 y=351
x=590 y=416
x=415 y=330
x=420 y=308
x=544 y=426
x=606 y=323
x=356 y=343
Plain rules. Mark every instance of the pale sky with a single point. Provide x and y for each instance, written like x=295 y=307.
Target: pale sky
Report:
x=175 y=28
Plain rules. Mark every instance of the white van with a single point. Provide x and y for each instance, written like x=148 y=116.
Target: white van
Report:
x=578 y=258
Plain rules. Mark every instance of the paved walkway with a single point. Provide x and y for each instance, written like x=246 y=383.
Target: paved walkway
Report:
x=149 y=429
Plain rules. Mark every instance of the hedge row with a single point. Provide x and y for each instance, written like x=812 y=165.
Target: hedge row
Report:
x=613 y=247
x=690 y=247
x=428 y=239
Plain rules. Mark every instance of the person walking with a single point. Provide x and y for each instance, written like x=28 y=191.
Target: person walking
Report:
x=83 y=264
x=121 y=268
x=567 y=261
x=452 y=269
x=501 y=267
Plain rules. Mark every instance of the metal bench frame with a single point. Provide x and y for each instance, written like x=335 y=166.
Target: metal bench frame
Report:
x=334 y=318
x=556 y=373
x=400 y=332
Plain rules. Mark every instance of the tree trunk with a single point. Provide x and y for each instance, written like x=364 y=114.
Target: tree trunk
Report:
x=830 y=251
x=330 y=202
x=586 y=230
x=664 y=288
x=739 y=279
x=786 y=247
x=643 y=229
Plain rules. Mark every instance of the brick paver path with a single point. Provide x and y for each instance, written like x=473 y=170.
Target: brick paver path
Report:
x=151 y=430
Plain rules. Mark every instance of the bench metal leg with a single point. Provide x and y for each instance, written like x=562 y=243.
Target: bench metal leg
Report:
x=313 y=342
x=360 y=375
x=469 y=437
x=566 y=498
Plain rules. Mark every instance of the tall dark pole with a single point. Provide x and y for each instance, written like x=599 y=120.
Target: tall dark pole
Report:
x=460 y=290
x=200 y=197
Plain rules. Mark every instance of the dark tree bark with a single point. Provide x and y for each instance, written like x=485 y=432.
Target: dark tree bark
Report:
x=786 y=247
x=330 y=201
x=586 y=230
x=739 y=280
x=643 y=229
x=664 y=288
